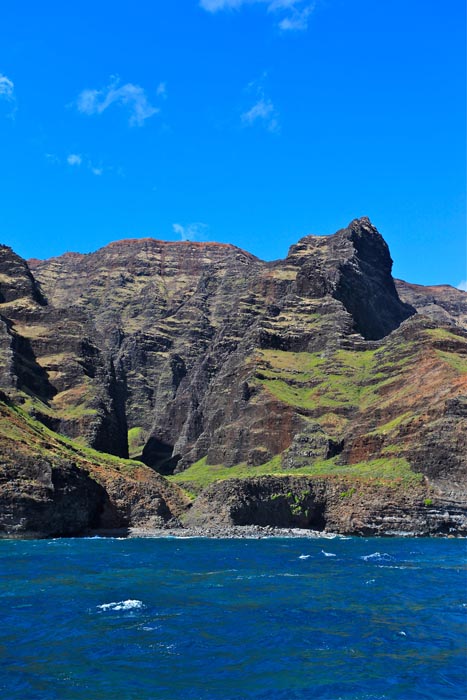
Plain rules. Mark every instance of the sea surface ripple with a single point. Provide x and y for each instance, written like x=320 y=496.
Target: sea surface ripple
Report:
x=199 y=619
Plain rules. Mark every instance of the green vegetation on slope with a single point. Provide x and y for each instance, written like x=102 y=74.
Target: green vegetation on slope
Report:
x=201 y=474
x=343 y=383
x=455 y=361
x=21 y=433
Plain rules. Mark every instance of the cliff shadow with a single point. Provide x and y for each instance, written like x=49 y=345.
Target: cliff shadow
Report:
x=159 y=456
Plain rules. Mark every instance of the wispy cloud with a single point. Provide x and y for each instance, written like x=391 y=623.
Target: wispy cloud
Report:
x=262 y=111
x=215 y=5
x=191 y=232
x=292 y=14
x=52 y=158
x=7 y=88
x=7 y=94
x=462 y=285
x=162 y=90
x=297 y=20
x=74 y=159
x=129 y=96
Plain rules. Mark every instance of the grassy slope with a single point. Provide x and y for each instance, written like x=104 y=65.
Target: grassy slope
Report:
x=377 y=392
x=395 y=380
x=338 y=387
x=202 y=474
x=19 y=433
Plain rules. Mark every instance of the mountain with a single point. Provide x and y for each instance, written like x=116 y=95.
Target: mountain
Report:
x=317 y=374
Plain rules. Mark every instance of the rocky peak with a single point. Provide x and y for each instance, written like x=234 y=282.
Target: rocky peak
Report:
x=16 y=279
x=353 y=266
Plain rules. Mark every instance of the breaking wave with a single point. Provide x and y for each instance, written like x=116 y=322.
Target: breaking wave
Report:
x=122 y=605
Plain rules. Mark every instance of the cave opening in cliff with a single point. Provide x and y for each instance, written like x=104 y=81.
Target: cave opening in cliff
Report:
x=317 y=518
x=159 y=456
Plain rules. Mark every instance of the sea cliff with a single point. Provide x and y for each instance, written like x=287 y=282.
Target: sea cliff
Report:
x=159 y=384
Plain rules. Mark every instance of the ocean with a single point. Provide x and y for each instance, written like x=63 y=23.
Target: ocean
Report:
x=206 y=619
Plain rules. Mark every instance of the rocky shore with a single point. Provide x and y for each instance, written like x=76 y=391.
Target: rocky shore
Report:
x=244 y=532
x=234 y=532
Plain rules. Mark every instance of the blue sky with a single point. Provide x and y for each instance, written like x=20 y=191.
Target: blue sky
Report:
x=253 y=122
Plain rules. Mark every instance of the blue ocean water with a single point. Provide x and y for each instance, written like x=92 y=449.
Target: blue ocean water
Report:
x=269 y=619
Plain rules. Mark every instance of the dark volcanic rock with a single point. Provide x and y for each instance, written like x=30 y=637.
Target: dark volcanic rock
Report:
x=49 y=487
x=328 y=504
x=353 y=266
x=442 y=303
x=39 y=499
x=310 y=445
x=16 y=281
x=278 y=501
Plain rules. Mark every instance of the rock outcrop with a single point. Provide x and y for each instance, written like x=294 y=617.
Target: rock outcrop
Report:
x=182 y=354
x=445 y=305
x=332 y=504
x=50 y=486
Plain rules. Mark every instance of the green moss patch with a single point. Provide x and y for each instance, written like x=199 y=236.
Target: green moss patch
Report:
x=455 y=361
x=136 y=441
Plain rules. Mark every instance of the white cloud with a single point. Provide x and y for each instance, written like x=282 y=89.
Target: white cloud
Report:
x=191 y=232
x=132 y=97
x=462 y=285
x=294 y=13
x=74 y=159
x=297 y=20
x=7 y=93
x=263 y=110
x=7 y=88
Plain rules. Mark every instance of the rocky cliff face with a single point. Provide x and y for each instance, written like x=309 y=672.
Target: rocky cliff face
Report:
x=51 y=486
x=335 y=504
x=445 y=305
x=198 y=357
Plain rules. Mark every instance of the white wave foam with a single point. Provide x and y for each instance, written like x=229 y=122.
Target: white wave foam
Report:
x=304 y=556
x=122 y=605
x=254 y=576
x=377 y=556
x=103 y=537
x=327 y=554
x=214 y=573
